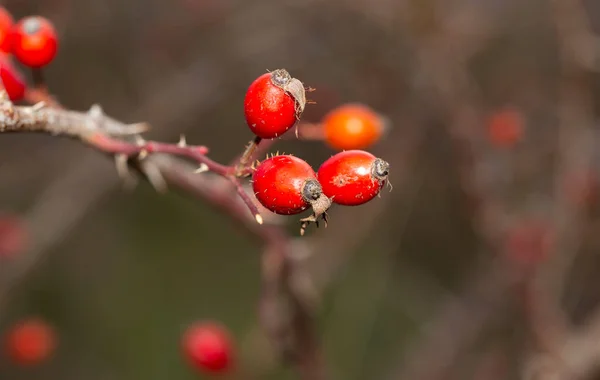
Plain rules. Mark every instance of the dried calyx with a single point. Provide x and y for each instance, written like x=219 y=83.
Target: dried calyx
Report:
x=380 y=169
x=320 y=203
x=282 y=79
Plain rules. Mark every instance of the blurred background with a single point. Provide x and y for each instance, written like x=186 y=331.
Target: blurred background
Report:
x=480 y=264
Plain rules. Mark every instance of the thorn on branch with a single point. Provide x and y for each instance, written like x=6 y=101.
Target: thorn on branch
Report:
x=203 y=168
x=121 y=163
x=139 y=140
x=155 y=177
x=38 y=106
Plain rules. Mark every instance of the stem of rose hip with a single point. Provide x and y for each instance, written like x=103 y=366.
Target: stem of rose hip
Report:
x=39 y=80
x=40 y=92
x=246 y=157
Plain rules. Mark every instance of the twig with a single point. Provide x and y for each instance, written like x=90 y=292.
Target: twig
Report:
x=96 y=129
x=159 y=163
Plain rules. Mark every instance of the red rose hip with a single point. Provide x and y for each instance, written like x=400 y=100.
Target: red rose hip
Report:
x=34 y=41
x=353 y=177
x=285 y=184
x=30 y=342
x=273 y=104
x=6 y=24
x=207 y=347
x=11 y=79
x=288 y=185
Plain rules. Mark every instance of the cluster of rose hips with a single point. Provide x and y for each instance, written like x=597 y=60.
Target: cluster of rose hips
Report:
x=32 y=41
x=288 y=185
x=283 y=184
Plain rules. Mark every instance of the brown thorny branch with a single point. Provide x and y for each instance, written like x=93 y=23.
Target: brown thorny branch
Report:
x=283 y=313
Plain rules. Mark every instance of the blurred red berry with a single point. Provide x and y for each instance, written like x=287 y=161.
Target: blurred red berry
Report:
x=352 y=126
x=207 y=346
x=13 y=236
x=273 y=104
x=30 y=342
x=6 y=24
x=529 y=242
x=506 y=127
x=35 y=42
x=11 y=79
x=353 y=177
x=285 y=184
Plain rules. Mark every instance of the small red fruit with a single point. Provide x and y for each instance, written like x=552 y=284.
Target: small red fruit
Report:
x=207 y=346
x=30 y=342
x=353 y=177
x=505 y=127
x=352 y=126
x=285 y=184
x=11 y=79
x=6 y=24
x=273 y=104
x=35 y=42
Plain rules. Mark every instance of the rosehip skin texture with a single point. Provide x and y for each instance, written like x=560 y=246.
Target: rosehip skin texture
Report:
x=207 y=347
x=6 y=24
x=30 y=342
x=270 y=111
x=353 y=177
x=34 y=41
x=285 y=185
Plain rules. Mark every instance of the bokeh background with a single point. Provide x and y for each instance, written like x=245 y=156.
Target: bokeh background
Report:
x=480 y=264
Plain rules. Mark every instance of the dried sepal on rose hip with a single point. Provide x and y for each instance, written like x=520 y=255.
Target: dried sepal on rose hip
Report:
x=353 y=177
x=288 y=185
x=273 y=104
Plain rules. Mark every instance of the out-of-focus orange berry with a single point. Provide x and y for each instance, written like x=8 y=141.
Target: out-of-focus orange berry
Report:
x=352 y=126
x=506 y=127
